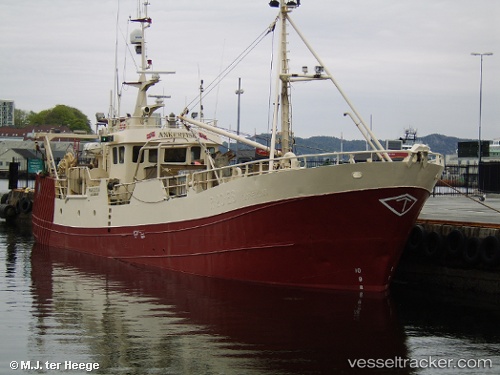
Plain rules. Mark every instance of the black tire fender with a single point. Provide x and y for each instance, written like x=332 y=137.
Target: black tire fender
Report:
x=416 y=238
x=25 y=205
x=433 y=245
x=471 y=253
x=490 y=251
x=455 y=242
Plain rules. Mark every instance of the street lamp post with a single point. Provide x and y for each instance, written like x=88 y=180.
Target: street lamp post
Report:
x=480 y=98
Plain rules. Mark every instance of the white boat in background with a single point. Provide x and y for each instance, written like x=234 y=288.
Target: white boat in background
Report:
x=164 y=195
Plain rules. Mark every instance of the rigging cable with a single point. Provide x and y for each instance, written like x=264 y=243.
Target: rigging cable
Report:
x=116 y=88
x=269 y=104
x=233 y=64
x=125 y=65
x=121 y=86
x=129 y=50
x=218 y=87
x=290 y=116
x=467 y=195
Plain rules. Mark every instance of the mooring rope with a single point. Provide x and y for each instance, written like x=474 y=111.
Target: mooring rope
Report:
x=468 y=196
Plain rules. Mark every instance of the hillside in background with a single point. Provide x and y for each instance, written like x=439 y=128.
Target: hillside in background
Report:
x=319 y=144
x=443 y=144
x=437 y=142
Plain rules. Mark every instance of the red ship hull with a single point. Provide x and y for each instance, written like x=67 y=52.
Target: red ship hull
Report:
x=346 y=240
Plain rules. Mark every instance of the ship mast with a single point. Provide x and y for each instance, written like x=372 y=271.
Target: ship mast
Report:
x=282 y=82
x=137 y=38
x=320 y=73
x=285 y=82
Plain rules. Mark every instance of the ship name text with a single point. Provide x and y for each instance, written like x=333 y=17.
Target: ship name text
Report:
x=223 y=199
x=175 y=134
x=94 y=191
x=254 y=194
x=229 y=197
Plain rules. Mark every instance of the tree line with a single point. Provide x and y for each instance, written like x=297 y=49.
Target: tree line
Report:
x=57 y=116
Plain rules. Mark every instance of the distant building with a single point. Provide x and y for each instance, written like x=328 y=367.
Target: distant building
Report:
x=468 y=151
x=12 y=151
x=6 y=112
x=18 y=145
x=8 y=155
x=24 y=134
x=486 y=175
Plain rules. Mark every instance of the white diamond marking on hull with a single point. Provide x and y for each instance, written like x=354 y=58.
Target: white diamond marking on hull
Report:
x=401 y=204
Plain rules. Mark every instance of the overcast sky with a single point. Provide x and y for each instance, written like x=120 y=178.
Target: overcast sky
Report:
x=403 y=63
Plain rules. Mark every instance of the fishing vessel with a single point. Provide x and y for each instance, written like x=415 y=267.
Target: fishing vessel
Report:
x=167 y=195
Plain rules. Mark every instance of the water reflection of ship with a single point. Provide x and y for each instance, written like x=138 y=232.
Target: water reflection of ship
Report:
x=147 y=318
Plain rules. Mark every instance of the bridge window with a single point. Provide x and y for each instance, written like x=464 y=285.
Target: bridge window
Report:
x=119 y=155
x=135 y=154
x=195 y=153
x=152 y=155
x=175 y=155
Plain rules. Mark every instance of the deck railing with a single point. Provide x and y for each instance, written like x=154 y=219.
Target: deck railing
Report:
x=178 y=186
x=458 y=179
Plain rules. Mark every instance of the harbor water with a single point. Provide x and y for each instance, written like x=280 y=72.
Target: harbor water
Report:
x=64 y=312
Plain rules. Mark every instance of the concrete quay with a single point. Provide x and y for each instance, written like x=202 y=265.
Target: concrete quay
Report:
x=455 y=245
x=462 y=210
